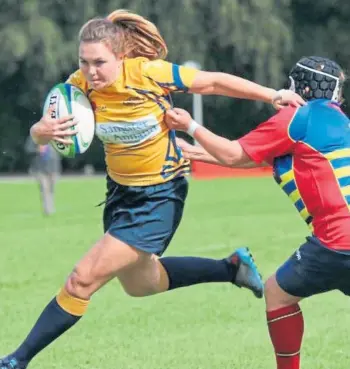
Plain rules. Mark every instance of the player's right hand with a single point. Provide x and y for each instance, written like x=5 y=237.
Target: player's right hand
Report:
x=284 y=98
x=48 y=128
x=178 y=119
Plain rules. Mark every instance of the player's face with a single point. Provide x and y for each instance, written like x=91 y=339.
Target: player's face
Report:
x=100 y=66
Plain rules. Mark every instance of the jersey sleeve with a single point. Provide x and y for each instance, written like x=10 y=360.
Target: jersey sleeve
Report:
x=77 y=79
x=171 y=77
x=270 y=139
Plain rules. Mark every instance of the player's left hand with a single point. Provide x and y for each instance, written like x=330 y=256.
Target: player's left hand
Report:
x=178 y=119
x=183 y=144
x=187 y=149
x=284 y=98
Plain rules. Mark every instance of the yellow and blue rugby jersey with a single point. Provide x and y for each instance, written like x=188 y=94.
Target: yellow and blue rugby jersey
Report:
x=140 y=150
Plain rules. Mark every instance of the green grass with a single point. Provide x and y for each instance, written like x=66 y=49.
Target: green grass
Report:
x=202 y=327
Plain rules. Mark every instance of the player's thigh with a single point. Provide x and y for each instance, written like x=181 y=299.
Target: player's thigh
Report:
x=108 y=257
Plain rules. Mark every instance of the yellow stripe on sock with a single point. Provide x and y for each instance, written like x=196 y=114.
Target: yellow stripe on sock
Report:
x=71 y=304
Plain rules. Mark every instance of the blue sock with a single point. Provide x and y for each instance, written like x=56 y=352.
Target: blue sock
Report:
x=52 y=322
x=187 y=271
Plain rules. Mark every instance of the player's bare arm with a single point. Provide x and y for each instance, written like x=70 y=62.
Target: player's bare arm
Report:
x=226 y=152
x=198 y=153
x=216 y=83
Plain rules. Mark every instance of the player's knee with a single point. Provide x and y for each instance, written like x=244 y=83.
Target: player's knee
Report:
x=268 y=288
x=272 y=297
x=79 y=283
x=275 y=297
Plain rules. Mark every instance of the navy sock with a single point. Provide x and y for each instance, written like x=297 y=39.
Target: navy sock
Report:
x=187 y=271
x=52 y=322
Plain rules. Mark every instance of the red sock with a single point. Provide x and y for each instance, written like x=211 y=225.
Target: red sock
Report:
x=286 y=327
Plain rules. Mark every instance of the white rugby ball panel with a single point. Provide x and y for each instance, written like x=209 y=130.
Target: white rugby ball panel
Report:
x=82 y=110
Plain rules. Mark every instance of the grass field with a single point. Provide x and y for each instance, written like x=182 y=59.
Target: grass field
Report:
x=212 y=326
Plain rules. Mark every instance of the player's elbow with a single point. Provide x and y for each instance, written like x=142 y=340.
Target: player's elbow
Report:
x=217 y=83
x=229 y=159
x=235 y=156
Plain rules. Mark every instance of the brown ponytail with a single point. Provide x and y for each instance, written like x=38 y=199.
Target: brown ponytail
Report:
x=142 y=37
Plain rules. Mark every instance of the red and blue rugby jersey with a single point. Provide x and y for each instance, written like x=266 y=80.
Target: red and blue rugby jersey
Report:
x=309 y=148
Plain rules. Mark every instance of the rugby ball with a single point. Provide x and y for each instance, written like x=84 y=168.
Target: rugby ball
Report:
x=66 y=99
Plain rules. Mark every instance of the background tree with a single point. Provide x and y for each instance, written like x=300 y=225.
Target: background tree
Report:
x=257 y=39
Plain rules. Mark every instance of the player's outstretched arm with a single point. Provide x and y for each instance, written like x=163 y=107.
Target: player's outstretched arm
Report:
x=216 y=83
x=226 y=152
x=198 y=153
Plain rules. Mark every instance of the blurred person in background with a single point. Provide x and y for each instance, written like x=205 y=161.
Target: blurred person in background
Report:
x=124 y=74
x=309 y=149
x=45 y=166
